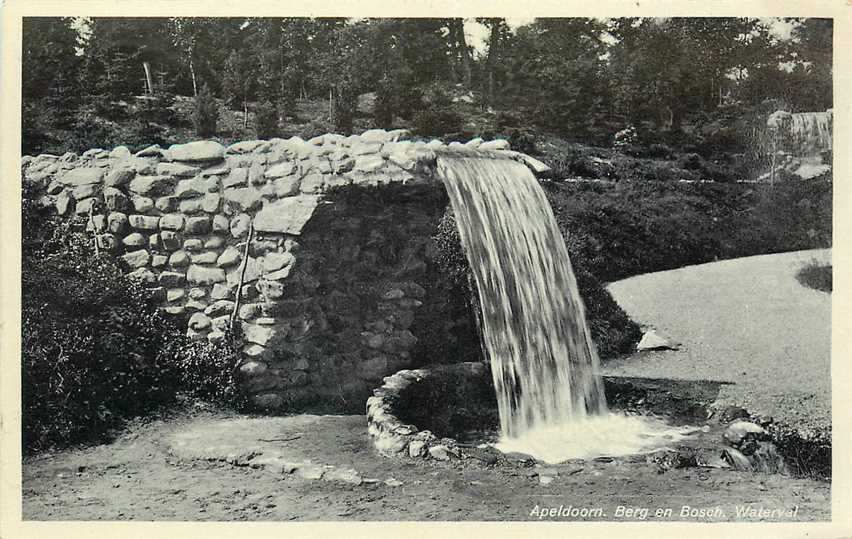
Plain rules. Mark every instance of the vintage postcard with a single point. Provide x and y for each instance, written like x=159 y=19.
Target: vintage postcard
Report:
x=448 y=269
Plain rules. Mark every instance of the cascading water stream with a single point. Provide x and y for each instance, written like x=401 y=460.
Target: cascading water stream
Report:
x=543 y=360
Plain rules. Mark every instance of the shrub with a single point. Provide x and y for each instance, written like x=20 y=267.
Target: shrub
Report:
x=95 y=349
x=266 y=120
x=343 y=109
x=816 y=275
x=385 y=106
x=438 y=116
x=435 y=122
x=206 y=113
x=208 y=371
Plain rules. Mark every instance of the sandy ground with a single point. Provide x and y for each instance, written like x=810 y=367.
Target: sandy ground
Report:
x=747 y=321
x=158 y=472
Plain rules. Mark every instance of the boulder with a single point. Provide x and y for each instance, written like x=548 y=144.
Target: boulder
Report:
x=651 y=340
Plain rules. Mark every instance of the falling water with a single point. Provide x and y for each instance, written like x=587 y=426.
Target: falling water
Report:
x=811 y=131
x=543 y=360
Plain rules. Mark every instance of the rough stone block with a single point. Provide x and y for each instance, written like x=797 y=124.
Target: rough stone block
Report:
x=159 y=261
x=210 y=202
x=135 y=240
x=143 y=275
x=199 y=321
x=243 y=199
x=172 y=221
x=177 y=170
x=167 y=204
x=197 y=225
x=84 y=207
x=115 y=200
x=141 y=204
x=193 y=244
x=202 y=150
x=237 y=178
x=137 y=259
x=174 y=294
x=240 y=225
x=151 y=185
x=179 y=259
x=144 y=222
x=171 y=279
x=231 y=256
x=82 y=176
x=287 y=215
x=204 y=257
x=85 y=191
x=191 y=206
x=170 y=240
x=221 y=225
x=201 y=275
x=119 y=176
x=275 y=261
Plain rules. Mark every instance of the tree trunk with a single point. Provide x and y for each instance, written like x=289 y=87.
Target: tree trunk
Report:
x=192 y=74
x=462 y=50
x=148 y=79
x=245 y=112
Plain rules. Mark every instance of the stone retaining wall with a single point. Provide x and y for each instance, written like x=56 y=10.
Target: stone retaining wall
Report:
x=337 y=269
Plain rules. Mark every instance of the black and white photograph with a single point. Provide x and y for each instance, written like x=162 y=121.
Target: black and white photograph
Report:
x=528 y=267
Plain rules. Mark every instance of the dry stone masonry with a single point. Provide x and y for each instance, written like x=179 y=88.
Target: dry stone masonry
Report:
x=333 y=282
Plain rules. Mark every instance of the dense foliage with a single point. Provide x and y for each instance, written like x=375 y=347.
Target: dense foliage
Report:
x=95 y=350
x=582 y=79
x=619 y=230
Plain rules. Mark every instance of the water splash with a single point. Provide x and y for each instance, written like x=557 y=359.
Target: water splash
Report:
x=543 y=360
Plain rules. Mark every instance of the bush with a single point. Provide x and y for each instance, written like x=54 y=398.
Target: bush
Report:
x=816 y=275
x=95 y=349
x=438 y=116
x=208 y=371
x=206 y=113
x=344 y=107
x=266 y=120
x=618 y=230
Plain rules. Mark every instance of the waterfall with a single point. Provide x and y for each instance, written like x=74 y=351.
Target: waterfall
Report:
x=534 y=327
x=811 y=131
x=535 y=336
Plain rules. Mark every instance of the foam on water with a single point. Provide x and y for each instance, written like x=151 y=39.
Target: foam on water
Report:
x=610 y=435
x=533 y=323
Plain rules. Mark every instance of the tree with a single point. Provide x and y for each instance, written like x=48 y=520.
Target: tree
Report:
x=206 y=113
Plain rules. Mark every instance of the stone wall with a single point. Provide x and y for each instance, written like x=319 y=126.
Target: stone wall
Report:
x=338 y=268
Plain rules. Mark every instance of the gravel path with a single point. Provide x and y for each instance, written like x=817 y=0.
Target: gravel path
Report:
x=747 y=321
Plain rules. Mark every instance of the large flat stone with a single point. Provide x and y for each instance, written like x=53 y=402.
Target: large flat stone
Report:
x=82 y=176
x=202 y=150
x=287 y=215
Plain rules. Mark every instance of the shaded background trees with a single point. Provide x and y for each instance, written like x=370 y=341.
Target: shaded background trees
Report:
x=85 y=80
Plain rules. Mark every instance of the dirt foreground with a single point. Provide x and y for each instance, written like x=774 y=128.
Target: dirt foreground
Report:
x=320 y=468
